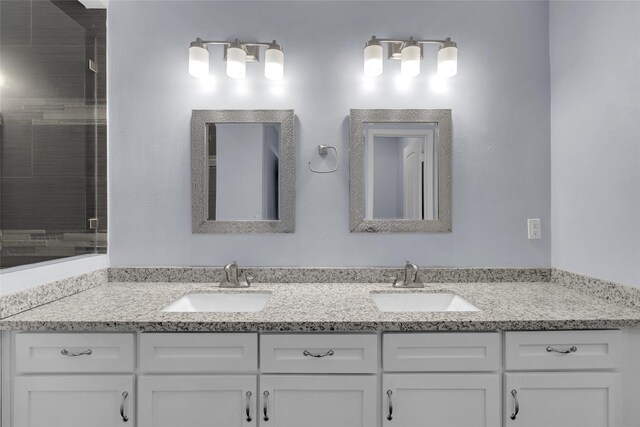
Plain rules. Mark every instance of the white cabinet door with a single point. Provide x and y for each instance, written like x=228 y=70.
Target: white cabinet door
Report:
x=441 y=400
x=197 y=400
x=318 y=401
x=74 y=401
x=586 y=399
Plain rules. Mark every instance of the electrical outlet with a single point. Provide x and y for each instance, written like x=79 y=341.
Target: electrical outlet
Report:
x=534 y=228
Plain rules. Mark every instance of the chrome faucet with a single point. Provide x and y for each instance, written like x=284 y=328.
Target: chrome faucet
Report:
x=410 y=278
x=232 y=279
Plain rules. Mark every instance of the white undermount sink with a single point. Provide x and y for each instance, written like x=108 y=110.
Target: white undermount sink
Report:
x=421 y=302
x=220 y=302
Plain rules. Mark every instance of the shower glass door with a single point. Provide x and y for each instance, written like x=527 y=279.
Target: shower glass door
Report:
x=52 y=131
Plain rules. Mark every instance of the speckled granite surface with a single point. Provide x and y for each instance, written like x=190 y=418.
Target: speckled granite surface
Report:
x=24 y=300
x=327 y=307
x=328 y=275
x=610 y=291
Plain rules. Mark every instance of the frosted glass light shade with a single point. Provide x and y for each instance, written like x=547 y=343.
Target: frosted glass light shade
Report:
x=198 y=61
x=236 y=63
x=274 y=64
x=410 y=61
x=373 y=60
x=448 y=61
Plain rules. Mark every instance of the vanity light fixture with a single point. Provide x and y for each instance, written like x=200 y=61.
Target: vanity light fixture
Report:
x=237 y=54
x=409 y=52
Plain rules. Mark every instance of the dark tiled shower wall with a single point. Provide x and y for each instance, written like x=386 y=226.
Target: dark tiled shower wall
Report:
x=53 y=121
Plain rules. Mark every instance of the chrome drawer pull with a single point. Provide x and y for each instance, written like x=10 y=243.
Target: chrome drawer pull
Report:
x=124 y=399
x=572 y=349
x=264 y=406
x=248 y=409
x=66 y=352
x=390 y=414
x=516 y=405
x=308 y=353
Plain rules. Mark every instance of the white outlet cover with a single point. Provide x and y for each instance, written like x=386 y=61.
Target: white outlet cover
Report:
x=534 y=229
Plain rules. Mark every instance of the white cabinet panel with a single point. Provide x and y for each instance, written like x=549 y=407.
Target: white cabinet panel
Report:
x=74 y=401
x=197 y=400
x=198 y=352
x=562 y=399
x=440 y=351
x=319 y=353
x=441 y=400
x=318 y=401
x=74 y=352
x=562 y=350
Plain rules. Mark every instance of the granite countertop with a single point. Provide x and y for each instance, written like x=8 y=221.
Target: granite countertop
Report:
x=118 y=306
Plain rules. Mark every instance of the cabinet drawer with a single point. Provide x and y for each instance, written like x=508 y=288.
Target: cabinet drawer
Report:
x=315 y=353
x=441 y=352
x=564 y=350
x=198 y=352
x=50 y=352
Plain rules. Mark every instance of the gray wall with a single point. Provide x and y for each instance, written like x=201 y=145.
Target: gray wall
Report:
x=595 y=138
x=500 y=104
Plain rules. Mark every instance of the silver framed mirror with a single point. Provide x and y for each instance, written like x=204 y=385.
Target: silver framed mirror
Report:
x=243 y=171
x=400 y=171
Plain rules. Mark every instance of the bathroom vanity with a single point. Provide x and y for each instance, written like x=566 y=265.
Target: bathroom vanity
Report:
x=323 y=354
x=248 y=379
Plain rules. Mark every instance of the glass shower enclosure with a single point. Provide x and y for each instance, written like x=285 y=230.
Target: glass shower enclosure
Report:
x=52 y=131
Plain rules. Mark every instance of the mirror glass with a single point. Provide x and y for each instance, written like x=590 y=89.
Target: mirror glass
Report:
x=243 y=175
x=400 y=171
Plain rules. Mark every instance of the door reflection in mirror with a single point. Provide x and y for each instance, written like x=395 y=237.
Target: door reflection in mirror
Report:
x=243 y=171
x=401 y=171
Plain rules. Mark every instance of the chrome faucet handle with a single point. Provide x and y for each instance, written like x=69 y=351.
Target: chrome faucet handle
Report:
x=410 y=272
x=227 y=268
x=397 y=281
x=233 y=268
x=410 y=277
x=391 y=276
x=245 y=282
x=231 y=275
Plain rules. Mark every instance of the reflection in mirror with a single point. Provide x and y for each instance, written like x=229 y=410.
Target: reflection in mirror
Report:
x=243 y=171
x=401 y=171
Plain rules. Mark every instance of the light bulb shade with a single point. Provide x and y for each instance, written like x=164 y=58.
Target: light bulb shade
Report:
x=236 y=62
x=448 y=61
x=198 y=61
x=274 y=63
x=373 y=60
x=410 y=61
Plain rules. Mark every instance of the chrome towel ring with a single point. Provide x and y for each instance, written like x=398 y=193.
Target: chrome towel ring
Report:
x=323 y=150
